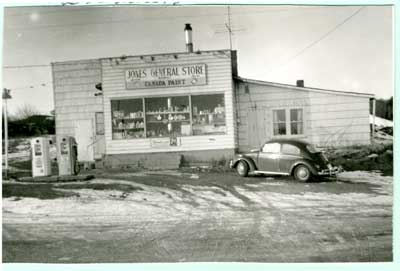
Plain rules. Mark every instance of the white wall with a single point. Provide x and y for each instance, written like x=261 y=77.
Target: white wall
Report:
x=219 y=80
x=330 y=118
x=74 y=88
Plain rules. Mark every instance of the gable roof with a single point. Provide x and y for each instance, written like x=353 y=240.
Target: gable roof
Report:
x=337 y=92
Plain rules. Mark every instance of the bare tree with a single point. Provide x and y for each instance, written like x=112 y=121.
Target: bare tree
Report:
x=24 y=111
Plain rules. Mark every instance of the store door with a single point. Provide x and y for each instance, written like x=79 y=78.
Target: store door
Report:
x=84 y=138
x=257 y=134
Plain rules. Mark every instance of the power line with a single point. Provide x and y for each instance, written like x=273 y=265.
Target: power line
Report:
x=44 y=26
x=39 y=12
x=45 y=84
x=321 y=38
x=26 y=66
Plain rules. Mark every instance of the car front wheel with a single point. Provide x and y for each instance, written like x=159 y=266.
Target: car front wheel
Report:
x=242 y=168
x=302 y=173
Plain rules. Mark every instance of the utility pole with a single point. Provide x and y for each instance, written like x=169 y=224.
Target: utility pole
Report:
x=6 y=96
x=229 y=28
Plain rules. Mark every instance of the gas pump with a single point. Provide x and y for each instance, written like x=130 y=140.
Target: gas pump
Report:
x=67 y=154
x=41 y=163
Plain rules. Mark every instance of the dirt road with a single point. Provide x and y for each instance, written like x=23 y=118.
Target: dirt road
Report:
x=189 y=217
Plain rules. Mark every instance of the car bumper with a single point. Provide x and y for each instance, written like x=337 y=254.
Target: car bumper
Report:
x=333 y=171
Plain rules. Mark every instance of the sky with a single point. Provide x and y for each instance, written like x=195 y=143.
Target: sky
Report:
x=348 y=48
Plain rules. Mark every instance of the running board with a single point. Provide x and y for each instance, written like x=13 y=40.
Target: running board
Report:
x=270 y=172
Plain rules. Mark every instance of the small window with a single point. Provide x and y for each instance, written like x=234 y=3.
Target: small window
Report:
x=296 y=121
x=287 y=122
x=99 y=123
x=271 y=148
x=290 y=149
x=279 y=122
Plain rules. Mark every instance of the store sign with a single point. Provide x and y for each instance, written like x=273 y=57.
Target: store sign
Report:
x=168 y=76
x=165 y=142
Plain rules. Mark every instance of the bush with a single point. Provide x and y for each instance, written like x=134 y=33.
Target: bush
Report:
x=357 y=158
x=31 y=126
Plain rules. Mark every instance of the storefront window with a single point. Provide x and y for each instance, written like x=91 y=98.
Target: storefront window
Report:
x=208 y=113
x=167 y=116
x=127 y=119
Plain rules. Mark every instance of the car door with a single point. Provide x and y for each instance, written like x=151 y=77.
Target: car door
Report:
x=289 y=155
x=268 y=157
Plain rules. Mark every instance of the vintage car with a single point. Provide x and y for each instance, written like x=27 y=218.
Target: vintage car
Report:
x=285 y=157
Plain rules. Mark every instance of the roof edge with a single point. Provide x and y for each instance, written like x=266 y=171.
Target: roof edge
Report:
x=339 y=92
x=144 y=55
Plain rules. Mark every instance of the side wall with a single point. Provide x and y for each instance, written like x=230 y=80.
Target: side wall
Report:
x=219 y=80
x=74 y=88
x=339 y=119
x=329 y=119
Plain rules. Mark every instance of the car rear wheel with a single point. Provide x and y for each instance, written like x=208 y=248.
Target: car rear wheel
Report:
x=302 y=173
x=242 y=168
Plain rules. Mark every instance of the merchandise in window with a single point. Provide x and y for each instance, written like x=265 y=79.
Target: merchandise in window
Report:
x=208 y=114
x=127 y=119
x=167 y=116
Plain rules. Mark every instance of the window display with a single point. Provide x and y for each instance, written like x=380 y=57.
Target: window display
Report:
x=167 y=116
x=127 y=119
x=208 y=113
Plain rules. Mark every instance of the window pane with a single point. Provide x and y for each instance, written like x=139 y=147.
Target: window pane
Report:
x=279 y=123
x=99 y=118
x=296 y=115
x=167 y=116
x=290 y=149
x=208 y=113
x=296 y=128
x=296 y=121
x=279 y=115
x=271 y=147
x=279 y=128
x=127 y=119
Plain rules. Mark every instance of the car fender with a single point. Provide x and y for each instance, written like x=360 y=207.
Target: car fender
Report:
x=312 y=168
x=250 y=162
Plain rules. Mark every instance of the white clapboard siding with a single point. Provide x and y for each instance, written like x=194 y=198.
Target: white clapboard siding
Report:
x=219 y=80
x=330 y=118
x=74 y=89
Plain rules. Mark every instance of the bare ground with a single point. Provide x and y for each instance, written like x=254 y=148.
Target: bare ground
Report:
x=174 y=216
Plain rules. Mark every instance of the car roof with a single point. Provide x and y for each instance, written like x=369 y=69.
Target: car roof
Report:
x=292 y=141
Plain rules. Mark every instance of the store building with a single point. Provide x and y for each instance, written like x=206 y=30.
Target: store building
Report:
x=133 y=110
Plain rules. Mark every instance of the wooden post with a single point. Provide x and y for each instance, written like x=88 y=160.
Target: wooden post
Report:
x=373 y=119
x=6 y=96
